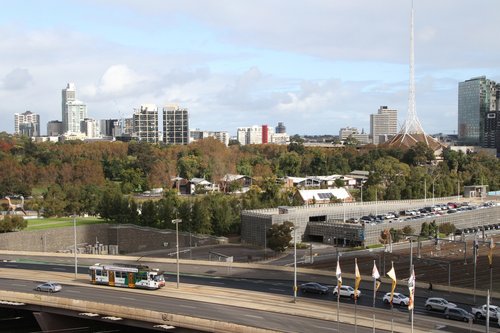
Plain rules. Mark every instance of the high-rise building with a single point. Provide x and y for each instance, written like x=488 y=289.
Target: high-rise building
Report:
x=476 y=97
x=27 y=123
x=175 y=125
x=54 y=128
x=383 y=124
x=492 y=131
x=73 y=110
x=145 y=123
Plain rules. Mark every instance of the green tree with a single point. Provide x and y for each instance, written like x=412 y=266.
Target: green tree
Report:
x=408 y=230
x=424 y=230
x=447 y=228
x=279 y=236
x=201 y=217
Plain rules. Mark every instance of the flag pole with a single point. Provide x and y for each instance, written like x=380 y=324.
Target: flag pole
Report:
x=356 y=298
x=338 y=293
x=374 y=295
x=412 y=299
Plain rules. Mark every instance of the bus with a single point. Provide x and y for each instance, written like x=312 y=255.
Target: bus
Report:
x=127 y=276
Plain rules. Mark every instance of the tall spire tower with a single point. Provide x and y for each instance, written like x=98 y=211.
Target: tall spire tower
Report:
x=412 y=132
x=412 y=124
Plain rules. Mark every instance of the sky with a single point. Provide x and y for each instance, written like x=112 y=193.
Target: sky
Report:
x=316 y=65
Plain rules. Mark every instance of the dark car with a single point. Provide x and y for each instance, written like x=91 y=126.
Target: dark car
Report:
x=314 y=287
x=458 y=314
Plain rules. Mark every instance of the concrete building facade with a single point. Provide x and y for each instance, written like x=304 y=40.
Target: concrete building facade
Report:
x=175 y=125
x=145 y=123
x=383 y=124
x=27 y=123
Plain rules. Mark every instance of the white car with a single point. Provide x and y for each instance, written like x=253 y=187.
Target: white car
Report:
x=440 y=304
x=346 y=291
x=397 y=298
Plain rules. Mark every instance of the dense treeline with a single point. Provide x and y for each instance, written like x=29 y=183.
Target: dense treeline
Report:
x=101 y=177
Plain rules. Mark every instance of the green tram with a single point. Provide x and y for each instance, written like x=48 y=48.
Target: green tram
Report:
x=127 y=276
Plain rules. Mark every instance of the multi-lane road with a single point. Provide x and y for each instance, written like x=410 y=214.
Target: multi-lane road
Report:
x=251 y=317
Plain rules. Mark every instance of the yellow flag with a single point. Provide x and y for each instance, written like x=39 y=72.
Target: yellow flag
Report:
x=392 y=275
x=358 y=278
x=490 y=254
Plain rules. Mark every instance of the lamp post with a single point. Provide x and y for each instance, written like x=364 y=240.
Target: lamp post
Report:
x=176 y=222
x=74 y=240
x=294 y=264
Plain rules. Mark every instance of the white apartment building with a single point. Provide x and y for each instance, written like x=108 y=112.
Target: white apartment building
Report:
x=383 y=124
x=73 y=110
x=27 y=123
x=91 y=128
x=346 y=132
x=222 y=136
x=254 y=135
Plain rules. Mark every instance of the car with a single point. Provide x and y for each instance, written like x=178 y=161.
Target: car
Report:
x=458 y=314
x=51 y=287
x=313 y=287
x=480 y=312
x=439 y=304
x=346 y=291
x=397 y=298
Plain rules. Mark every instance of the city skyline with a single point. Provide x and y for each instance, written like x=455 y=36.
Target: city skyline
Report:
x=242 y=65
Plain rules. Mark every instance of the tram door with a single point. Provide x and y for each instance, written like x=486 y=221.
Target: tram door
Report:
x=111 y=276
x=131 y=280
x=92 y=275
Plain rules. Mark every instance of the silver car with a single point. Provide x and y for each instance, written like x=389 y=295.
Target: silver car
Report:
x=50 y=287
x=439 y=304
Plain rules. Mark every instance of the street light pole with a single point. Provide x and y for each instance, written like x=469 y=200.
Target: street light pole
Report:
x=176 y=222
x=294 y=264
x=74 y=239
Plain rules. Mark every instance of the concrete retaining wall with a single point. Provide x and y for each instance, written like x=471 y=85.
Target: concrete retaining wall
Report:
x=129 y=238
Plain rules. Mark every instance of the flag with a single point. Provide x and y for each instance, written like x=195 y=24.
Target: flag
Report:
x=411 y=288
x=376 y=276
x=357 y=278
x=490 y=254
x=392 y=275
x=338 y=273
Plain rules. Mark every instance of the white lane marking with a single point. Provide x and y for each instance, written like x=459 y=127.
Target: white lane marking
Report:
x=213 y=282
x=129 y=298
x=252 y=316
x=326 y=328
x=19 y=285
x=73 y=291
x=10 y=265
x=59 y=269
x=276 y=289
x=187 y=306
